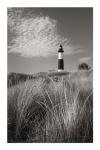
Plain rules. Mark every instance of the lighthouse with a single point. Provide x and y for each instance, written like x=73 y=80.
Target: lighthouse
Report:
x=60 y=59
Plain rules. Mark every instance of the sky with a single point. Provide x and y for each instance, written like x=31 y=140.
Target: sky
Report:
x=34 y=36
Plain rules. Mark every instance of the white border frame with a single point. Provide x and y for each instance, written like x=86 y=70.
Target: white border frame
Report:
x=3 y=70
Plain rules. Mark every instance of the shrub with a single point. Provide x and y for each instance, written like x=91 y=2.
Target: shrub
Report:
x=83 y=66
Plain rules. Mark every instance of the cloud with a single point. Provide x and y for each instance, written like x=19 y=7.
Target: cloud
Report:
x=35 y=35
x=85 y=59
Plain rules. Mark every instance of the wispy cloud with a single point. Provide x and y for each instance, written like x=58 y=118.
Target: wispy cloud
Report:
x=85 y=59
x=35 y=35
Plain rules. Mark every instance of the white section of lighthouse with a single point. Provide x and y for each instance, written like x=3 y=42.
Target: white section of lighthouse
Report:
x=60 y=59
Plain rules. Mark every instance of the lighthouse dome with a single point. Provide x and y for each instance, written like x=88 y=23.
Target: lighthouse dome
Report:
x=61 y=49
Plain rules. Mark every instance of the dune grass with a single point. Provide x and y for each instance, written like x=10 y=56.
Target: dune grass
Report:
x=48 y=111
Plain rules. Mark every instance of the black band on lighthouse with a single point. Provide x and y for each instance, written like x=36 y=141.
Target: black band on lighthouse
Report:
x=60 y=64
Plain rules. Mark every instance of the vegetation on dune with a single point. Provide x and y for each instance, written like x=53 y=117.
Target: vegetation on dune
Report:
x=16 y=78
x=43 y=109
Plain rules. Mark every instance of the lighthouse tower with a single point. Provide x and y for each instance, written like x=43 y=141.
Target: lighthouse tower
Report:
x=60 y=59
